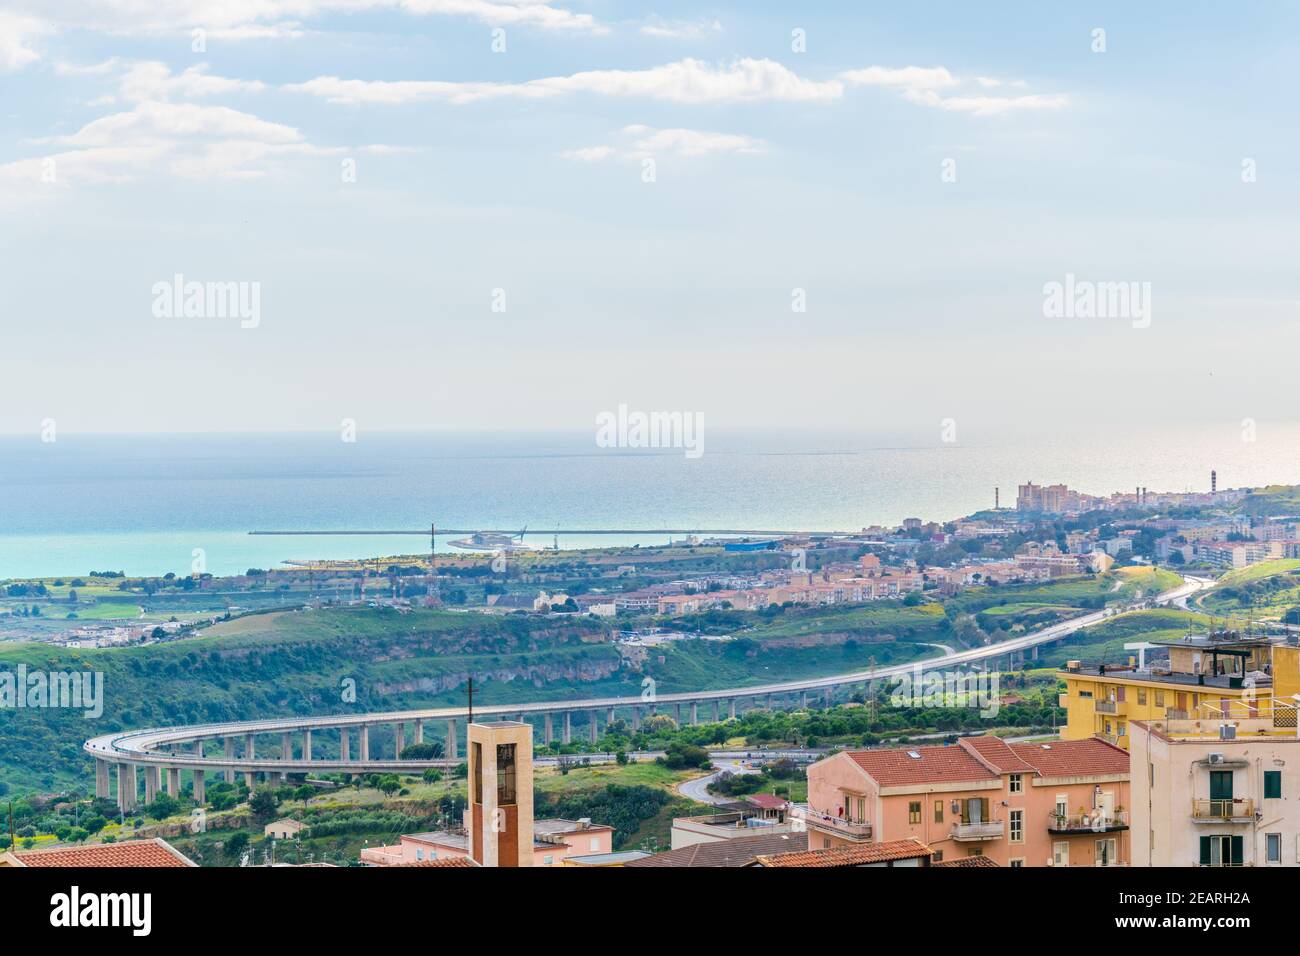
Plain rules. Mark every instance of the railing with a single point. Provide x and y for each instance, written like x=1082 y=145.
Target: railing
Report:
x=1229 y=809
x=1106 y=706
x=988 y=830
x=855 y=828
x=1095 y=821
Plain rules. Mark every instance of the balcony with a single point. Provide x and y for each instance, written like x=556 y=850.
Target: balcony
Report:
x=974 y=832
x=849 y=829
x=1106 y=706
x=1240 y=810
x=1093 y=822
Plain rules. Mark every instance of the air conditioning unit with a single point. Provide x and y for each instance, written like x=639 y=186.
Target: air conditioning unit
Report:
x=1215 y=758
x=1227 y=731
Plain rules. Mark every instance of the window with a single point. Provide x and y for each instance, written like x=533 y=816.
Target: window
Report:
x=975 y=851
x=419 y=854
x=594 y=844
x=938 y=811
x=1123 y=729
x=548 y=860
x=1142 y=696
x=1221 y=851
x=1014 y=783
x=1273 y=847
x=914 y=811
x=478 y=773
x=1106 y=853
x=505 y=774
x=975 y=810
x=1017 y=863
x=936 y=856
x=1160 y=698
x=1272 y=784
x=1086 y=694
x=1017 y=818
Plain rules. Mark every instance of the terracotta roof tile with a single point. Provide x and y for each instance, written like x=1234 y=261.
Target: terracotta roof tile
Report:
x=995 y=752
x=969 y=861
x=738 y=851
x=1074 y=758
x=450 y=861
x=895 y=768
x=858 y=854
x=129 y=853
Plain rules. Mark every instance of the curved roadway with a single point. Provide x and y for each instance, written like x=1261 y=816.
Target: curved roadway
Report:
x=145 y=747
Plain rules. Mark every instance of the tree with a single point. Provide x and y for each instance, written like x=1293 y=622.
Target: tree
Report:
x=430 y=750
x=388 y=784
x=263 y=803
x=236 y=845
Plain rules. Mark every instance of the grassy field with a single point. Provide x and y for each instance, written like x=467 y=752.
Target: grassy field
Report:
x=1260 y=571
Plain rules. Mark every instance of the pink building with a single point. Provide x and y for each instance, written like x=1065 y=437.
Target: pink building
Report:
x=553 y=841
x=1060 y=803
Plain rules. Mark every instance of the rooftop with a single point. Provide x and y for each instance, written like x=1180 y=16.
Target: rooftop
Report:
x=980 y=759
x=859 y=854
x=740 y=851
x=1122 y=672
x=127 y=854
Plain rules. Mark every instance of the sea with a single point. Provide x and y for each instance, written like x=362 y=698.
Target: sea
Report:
x=147 y=504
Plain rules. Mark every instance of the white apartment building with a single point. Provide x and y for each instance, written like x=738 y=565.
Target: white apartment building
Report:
x=1202 y=799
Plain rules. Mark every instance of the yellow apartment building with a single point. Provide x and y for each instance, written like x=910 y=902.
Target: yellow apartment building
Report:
x=1222 y=675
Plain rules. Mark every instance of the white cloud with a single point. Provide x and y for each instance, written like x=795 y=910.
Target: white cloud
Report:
x=637 y=142
x=16 y=34
x=907 y=77
x=922 y=85
x=686 y=81
x=254 y=19
x=680 y=29
x=987 y=105
x=154 y=81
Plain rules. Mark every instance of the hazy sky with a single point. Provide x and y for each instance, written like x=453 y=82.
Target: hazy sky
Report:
x=128 y=157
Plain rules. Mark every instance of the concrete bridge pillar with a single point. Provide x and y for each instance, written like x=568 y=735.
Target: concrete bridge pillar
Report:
x=830 y=694
x=593 y=730
x=677 y=713
x=548 y=732
x=767 y=703
x=733 y=708
x=401 y=738
x=451 y=747
x=127 y=787
x=101 y=779
x=250 y=748
x=803 y=700
x=345 y=747
x=609 y=716
x=717 y=709
x=363 y=744
x=568 y=726
x=419 y=731
x=150 y=784
x=200 y=788
x=250 y=780
x=286 y=746
x=1035 y=652
x=695 y=712
x=173 y=781
x=230 y=755
x=636 y=719
x=306 y=744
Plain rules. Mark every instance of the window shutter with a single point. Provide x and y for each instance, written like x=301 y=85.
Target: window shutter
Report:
x=1205 y=851
x=1237 y=856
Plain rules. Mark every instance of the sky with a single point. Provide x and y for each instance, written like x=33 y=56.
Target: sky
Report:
x=483 y=214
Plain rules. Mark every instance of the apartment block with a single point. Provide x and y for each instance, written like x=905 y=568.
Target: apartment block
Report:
x=1062 y=803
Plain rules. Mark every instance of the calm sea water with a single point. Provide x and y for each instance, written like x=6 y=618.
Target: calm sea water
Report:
x=143 y=503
